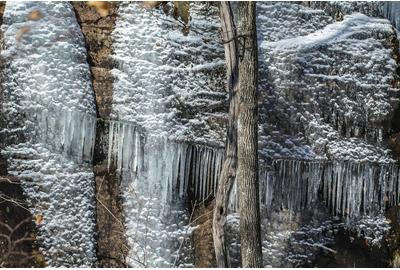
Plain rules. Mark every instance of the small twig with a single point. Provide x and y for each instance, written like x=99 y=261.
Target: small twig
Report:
x=184 y=237
x=235 y=38
x=109 y=211
x=326 y=248
x=101 y=184
x=5 y=179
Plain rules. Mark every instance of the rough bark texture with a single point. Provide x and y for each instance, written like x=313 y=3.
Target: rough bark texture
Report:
x=247 y=171
x=111 y=243
x=228 y=172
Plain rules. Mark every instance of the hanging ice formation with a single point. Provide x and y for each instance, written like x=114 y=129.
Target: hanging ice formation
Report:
x=49 y=100
x=184 y=168
x=349 y=189
x=391 y=11
x=316 y=157
x=334 y=144
x=159 y=130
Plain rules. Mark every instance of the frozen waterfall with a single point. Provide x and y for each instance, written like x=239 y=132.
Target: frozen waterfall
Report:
x=159 y=133
x=158 y=178
x=49 y=99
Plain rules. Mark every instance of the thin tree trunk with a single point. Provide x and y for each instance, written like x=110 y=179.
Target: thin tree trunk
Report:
x=228 y=172
x=247 y=171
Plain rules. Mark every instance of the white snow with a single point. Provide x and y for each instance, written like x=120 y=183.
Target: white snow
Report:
x=167 y=83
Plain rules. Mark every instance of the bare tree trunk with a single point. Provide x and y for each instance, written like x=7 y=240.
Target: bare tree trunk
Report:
x=228 y=172
x=247 y=171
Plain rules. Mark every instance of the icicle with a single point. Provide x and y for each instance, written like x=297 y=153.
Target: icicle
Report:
x=110 y=144
x=182 y=175
x=136 y=151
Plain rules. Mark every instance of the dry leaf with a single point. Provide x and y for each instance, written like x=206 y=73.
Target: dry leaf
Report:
x=102 y=7
x=22 y=31
x=35 y=15
x=151 y=4
x=38 y=219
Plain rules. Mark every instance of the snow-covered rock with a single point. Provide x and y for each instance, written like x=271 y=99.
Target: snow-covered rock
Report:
x=48 y=95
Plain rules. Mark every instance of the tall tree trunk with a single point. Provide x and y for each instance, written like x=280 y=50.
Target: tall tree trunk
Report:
x=247 y=171
x=228 y=172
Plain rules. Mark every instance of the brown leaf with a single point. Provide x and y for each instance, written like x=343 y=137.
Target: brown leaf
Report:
x=152 y=4
x=22 y=31
x=35 y=15
x=102 y=7
x=38 y=219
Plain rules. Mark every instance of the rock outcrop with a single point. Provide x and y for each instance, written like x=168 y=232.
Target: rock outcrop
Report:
x=126 y=131
x=97 y=30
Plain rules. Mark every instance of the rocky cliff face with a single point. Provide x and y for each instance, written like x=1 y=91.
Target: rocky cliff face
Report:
x=141 y=116
x=111 y=243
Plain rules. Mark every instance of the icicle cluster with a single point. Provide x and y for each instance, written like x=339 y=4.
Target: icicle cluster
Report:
x=69 y=132
x=354 y=189
x=179 y=168
x=294 y=185
x=349 y=189
x=157 y=177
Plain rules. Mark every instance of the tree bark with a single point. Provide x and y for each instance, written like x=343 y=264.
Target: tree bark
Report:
x=228 y=172
x=247 y=171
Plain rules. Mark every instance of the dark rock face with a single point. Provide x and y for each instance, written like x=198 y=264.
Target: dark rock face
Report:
x=111 y=244
x=97 y=31
x=16 y=227
x=204 y=255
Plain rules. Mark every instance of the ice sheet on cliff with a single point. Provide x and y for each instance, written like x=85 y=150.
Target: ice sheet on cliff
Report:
x=327 y=98
x=49 y=98
x=315 y=73
x=168 y=109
